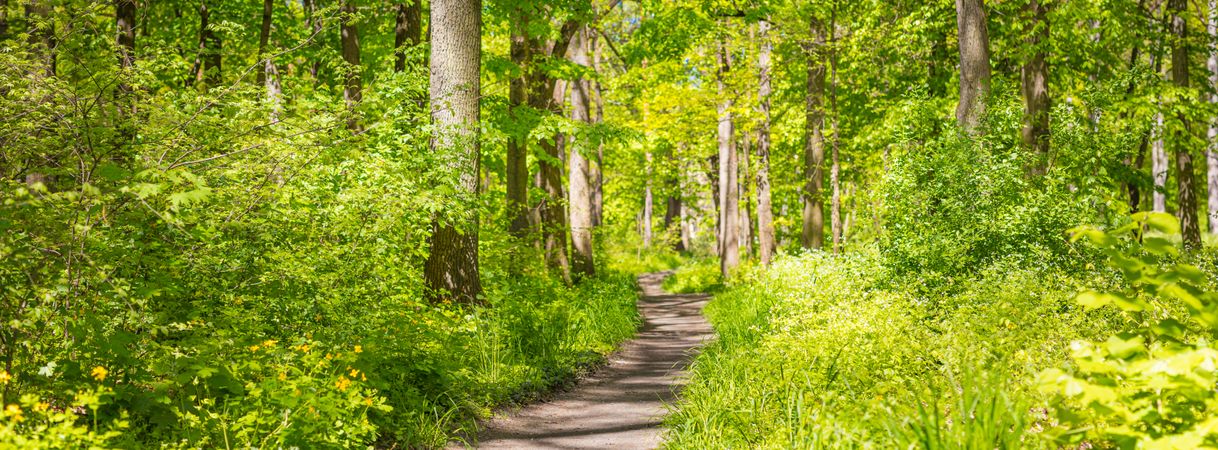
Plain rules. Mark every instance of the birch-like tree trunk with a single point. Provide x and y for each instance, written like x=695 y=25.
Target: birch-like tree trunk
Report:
x=729 y=245
x=765 y=208
x=268 y=77
x=814 y=147
x=451 y=270
x=580 y=190
x=974 y=63
x=1186 y=195
x=1158 y=164
x=1211 y=150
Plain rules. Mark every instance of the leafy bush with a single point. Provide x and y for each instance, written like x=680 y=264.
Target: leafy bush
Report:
x=1152 y=385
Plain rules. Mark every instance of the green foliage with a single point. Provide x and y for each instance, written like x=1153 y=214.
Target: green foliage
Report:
x=697 y=275
x=1152 y=384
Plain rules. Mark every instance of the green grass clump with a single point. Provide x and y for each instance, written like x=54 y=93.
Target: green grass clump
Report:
x=825 y=351
x=697 y=275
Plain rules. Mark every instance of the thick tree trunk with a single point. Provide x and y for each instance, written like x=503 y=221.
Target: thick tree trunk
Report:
x=451 y=270
x=974 y=63
x=517 y=145
x=1211 y=151
x=207 y=66
x=124 y=20
x=407 y=31
x=729 y=245
x=1186 y=196
x=580 y=190
x=547 y=95
x=765 y=208
x=814 y=147
x=352 y=89
x=1035 y=87
x=269 y=75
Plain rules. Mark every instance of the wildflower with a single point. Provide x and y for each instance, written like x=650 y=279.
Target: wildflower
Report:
x=5 y=377
x=41 y=406
x=354 y=372
x=13 y=411
x=99 y=373
x=269 y=343
x=342 y=384
x=304 y=348
x=254 y=348
x=368 y=401
x=359 y=349
x=283 y=376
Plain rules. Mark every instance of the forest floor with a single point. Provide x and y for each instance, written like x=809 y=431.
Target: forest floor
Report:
x=621 y=405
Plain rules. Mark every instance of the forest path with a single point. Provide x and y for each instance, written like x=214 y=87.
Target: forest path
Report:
x=622 y=404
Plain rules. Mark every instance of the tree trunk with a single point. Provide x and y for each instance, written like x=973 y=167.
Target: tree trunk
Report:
x=597 y=168
x=1158 y=165
x=269 y=75
x=814 y=148
x=451 y=269
x=315 y=24
x=1186 y=196
x=351 y=77
x=407 y=32
x=3 y=19
x=1211 y=151
x=729 y=247
x=546 y=95
x=1035 y=87
x=517 y=145
x=42 y=34
x=765 y=208
x=207 y=66
x=580 y=190
x=745 y=221
x=124 y=20
x=974 y=63
x=835 y=172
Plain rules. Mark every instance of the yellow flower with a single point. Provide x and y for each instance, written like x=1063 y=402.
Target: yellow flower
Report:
x=304 y=348
x=13 y=411
x=368 y=401
x=99 y=373
x=359 y=349
x=254 y=348
x=283 y=376
x=41 y=406
x=342 y=384
x=354 y=373
x=5 y=377
x=269 y=343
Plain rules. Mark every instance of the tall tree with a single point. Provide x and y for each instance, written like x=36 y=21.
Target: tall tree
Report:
x=1211 y=151
x=547 y=94
x=1158 y=164
x=352 y=86
x=729 y=240
x=765 y=208
x=517 y=169
x=814 y=144
x=316 y=25
x=124 y=21
x=597 y=167
x=974 y=42
x=745 y=220
x=835 y=179
x=42 y=34
x=207 y=67
x=580 y=189
x=451 y=270
x=269 y=75
x=1035 y=84
x=1186 y=196
x=407 y=31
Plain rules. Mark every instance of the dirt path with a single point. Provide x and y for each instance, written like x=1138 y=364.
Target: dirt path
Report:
x=621 y=405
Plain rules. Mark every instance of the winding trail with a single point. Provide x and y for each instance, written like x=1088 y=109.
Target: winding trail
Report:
x=621 y=405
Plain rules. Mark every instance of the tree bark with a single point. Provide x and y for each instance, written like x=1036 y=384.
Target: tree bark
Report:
x=597 y=168
x=729 y=247
x=352 y=89
x=814 y=147
x=1158 y=165
x=1035 y=87
x=835 y=207
x=546 y=95
x=451 y=270
x=3 y=19
x=269 y=75
x=745 y=221
x=1186 y=196
x=207 y=65
x=974 y=63
x=765 y=208
x=42 y=34
x=1211 y=151
x=315 y=25
x=517 y=145
x=580 y=190
x=124 y=21
x=407 y=31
